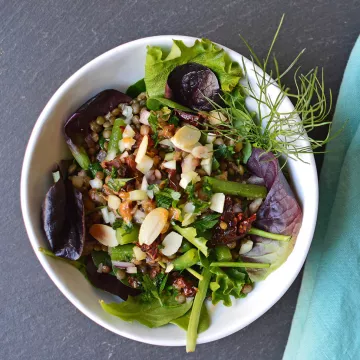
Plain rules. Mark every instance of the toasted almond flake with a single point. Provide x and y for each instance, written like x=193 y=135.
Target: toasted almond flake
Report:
x=139 y=254
x=216 y=117
x=217 y=202
x=201 y=152
x=113 y=202
x=126 y=143
x=186 y=136
x=105 y=214
x=170 y=165
x=171 y=243
x=152 y=225
x=104 y=234
x=128 y=132
x=145 y=165
x=142 y=149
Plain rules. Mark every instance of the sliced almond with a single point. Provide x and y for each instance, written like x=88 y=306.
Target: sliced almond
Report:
x=113 y=202
x=170 y=165
x=246 y=246
x=216 y=117
x=201 y=152
x=142 y=149
x=171 y=243
x=126 y=143
x=152 y=225
x=104 y=234
x=145 y=165
x=186 y=136
x=128 y=132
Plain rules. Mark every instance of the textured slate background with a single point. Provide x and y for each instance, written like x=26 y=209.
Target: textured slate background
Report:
x=41 y=44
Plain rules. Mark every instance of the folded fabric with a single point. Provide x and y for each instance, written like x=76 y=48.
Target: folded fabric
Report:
x=326 y=323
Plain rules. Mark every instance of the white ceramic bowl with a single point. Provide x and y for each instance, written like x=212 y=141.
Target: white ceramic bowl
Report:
x=119 y=68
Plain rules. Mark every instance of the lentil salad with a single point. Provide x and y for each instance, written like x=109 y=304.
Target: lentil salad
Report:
x=160 y=205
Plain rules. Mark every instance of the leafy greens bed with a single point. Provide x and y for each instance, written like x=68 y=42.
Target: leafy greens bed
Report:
x=174 y=194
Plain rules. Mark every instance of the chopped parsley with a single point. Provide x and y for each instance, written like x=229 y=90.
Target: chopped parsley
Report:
x=94 y=168
x=206 y=222
x=224 y=152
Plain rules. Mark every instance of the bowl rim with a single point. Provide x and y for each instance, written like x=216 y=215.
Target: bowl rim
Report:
x=30 y=226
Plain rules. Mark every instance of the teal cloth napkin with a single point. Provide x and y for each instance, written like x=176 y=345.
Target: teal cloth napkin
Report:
x=326 y=323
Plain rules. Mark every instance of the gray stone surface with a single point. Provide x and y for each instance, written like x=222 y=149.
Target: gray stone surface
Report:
x=42 y=42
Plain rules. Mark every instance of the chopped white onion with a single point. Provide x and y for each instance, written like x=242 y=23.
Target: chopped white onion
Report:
x=137 y=195
x=171 y=243
x=112 y=217
x=210 y=138
x=189 y=163
x=187 y=178
x=189 y=207
x=152 y=225
x=201 y=152
x=170 y=165
x=127 y=112
x=254 y=206
x=206 y=164
x=131 y=270
x=246 y=246
x=217 y=202
x=144 y=184
x=139 y=254
x=122 y=264
x=104 y=234
x=139 y=216
x=96 y=183
x=144 y=116
x=128 y=132
x=142 y=149
x=105 y=214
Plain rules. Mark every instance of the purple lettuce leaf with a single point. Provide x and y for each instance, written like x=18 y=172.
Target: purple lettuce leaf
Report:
x=77 y=127
x=63 y=219
x=280 y=213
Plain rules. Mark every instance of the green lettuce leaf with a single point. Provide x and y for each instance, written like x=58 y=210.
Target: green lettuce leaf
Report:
x=227 y=283
x=149 y=313
x=189 y=233
x=158 y=66
x=204 y=322
x=135 y=89
x=156 y=103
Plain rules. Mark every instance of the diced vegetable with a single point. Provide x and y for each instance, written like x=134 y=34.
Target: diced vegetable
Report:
x=246 y=246
x=139 y=254
x=126 y=143
x=188 y=259
x=217 y=202
x=123 y=237
x=169 y=156
x=142 y=149
x=122 y=253
x=171 y=243
x=145 y=165
x=104 y=234
x=170 y=165
x=189 y=177
x=96 y=183
x=113 y=202
x=236 y=188
x=128 y=132
x=105 y=214
x=137 y=195
x=223 y=253
x=116 y=136
x=152 y=226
